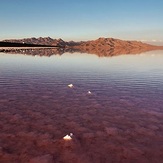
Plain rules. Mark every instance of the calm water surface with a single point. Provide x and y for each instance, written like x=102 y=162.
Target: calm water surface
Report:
x=121 y=121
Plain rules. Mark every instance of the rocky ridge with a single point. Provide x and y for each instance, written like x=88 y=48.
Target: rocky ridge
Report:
x=100 y=47
x=43 y=41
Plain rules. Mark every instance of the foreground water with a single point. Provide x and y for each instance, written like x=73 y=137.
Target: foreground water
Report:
x=120 y=121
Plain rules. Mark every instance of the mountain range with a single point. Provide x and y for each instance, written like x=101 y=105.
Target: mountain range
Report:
x=42 y=41
x=100 y=46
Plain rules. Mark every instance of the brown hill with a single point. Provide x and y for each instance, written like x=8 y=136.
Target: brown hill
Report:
x=111 y=46
x=113 y=43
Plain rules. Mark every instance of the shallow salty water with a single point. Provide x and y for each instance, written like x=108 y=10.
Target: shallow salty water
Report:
x=121 y=121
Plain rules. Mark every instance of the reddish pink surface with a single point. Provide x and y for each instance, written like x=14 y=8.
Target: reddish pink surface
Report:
x=121 y=121
x=100 y=134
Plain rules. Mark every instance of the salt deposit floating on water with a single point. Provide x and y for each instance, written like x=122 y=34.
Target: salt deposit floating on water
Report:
x=68 y=137
x=70 y=85
x=71 y=134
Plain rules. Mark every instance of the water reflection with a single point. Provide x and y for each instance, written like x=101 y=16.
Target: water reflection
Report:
x=121 y=121
x=101 y=52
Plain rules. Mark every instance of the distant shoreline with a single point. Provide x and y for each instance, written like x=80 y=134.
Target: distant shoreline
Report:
x=100 y=47
x=19 y=48
x=9 y=45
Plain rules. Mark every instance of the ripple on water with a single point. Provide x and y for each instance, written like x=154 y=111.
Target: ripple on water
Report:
x=120 y=121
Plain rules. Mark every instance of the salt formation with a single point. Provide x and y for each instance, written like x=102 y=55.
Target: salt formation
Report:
x=70 y=85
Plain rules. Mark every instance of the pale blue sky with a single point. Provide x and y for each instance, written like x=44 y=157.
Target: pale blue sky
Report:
x=82 y=19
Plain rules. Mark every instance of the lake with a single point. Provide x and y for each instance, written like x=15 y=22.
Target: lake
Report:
x=119 y=120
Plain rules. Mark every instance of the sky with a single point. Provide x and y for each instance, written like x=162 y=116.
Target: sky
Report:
x=82 y=19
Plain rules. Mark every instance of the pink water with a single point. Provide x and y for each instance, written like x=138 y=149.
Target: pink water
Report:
x=121 y=121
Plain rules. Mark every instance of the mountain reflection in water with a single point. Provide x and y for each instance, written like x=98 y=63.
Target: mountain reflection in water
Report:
x=101 y=52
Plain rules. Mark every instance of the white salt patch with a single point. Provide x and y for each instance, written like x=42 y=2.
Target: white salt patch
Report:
x=70 y=85
x=67 y=137
x=89 y=92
